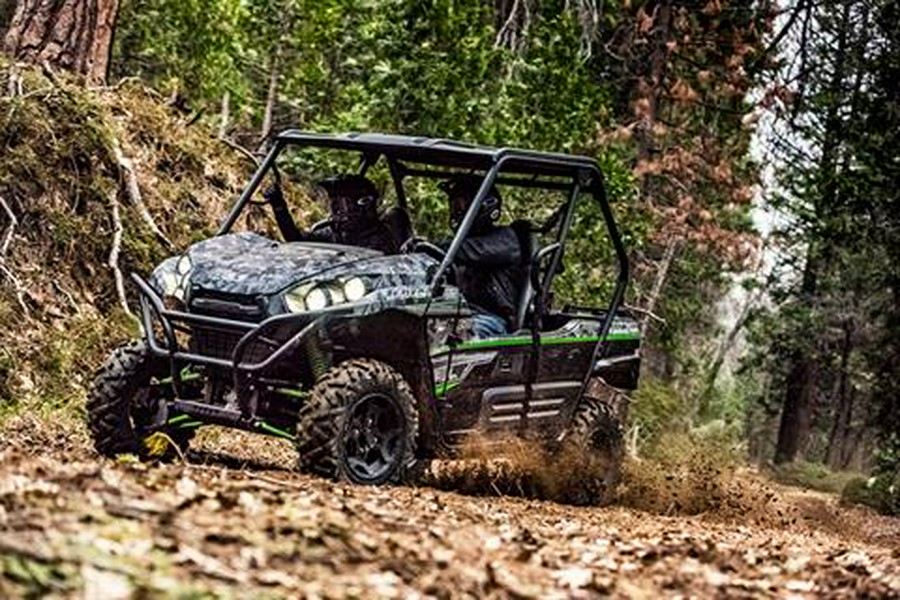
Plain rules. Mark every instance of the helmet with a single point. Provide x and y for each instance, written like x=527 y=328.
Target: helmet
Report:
x=462 y=190
x=353 y=200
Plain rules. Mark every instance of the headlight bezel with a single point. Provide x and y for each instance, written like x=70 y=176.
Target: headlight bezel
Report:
x=333 y=294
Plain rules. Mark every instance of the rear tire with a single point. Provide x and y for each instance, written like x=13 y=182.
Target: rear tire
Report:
x=360 y=424
x=595 y=446
x=122 y=404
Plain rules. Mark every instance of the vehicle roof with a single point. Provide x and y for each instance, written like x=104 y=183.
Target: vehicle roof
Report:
x=450 y=153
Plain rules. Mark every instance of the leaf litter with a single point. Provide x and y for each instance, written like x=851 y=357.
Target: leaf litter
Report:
x=236 y=521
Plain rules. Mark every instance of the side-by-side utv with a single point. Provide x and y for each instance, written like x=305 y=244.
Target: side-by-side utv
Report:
x=367 y=361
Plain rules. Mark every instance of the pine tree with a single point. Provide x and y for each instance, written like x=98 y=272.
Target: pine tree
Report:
x=74 y=35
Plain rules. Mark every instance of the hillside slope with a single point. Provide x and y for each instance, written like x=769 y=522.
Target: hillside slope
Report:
x=76 y=165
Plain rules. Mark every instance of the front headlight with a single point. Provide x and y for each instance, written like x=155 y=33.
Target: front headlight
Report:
x=314 y=297
x=354 y=289
x=184 y=266
x=173 y=277
x=168 y=280
x=295 y=299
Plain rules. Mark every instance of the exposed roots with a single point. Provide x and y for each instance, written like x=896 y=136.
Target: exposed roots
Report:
x=4 y=249
x=91 y=178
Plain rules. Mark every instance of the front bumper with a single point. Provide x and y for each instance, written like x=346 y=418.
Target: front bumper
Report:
x=244 y=348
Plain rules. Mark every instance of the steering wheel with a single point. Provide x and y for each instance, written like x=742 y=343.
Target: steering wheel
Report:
x=414 y=244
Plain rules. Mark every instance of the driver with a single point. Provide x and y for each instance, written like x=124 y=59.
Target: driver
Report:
x=353 y=202
x=488 y=260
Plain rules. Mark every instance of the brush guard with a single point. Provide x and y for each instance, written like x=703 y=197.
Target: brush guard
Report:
x=257 y=347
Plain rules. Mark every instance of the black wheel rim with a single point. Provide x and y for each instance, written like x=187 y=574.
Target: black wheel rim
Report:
x=145 y=410
x=145 y=404
x=373 y=444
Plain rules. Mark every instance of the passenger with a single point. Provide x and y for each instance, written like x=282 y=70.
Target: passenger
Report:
x=353 y=202
x=488 y=260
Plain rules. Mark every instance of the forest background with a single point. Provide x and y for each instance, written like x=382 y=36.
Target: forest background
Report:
x=749 y=148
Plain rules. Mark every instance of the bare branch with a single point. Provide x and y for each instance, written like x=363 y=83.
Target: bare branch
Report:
x=224 y=114
x=760 y=60
x=661 y=275
x=17 y=285
x=126 y=168
x=13 y=223
x=647 y=313
x=113 y=260
x=240 y=149
x=68 y=296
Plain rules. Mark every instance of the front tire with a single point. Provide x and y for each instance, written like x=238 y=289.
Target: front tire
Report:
x=360 y=424
x=123 y=405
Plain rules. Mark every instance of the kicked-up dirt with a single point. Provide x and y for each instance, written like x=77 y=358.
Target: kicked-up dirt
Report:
x=235 y=521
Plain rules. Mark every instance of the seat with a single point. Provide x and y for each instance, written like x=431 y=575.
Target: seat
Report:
x=529 y=246
x=396 y=219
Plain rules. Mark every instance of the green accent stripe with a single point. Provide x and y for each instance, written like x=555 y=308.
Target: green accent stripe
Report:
x=293 y=393
x=178 y=419
x=523 y=340
x=442 y=389
x=184 y=377
x=274 y=430
x=190 y=424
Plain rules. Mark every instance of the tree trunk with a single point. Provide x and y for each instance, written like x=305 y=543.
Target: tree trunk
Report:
x=793 y=432
x=658 y=62
x=224 y=114
x=271 y=96
x=6 y=12
x=662 y=273
x=75 y=35
x=844 y=406
x=846 y=444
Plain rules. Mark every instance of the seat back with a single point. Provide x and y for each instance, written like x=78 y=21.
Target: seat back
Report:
x=529 y=245
x=398 y=223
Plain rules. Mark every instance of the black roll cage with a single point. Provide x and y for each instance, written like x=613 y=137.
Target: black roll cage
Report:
x=584 y=173
x=504 y=166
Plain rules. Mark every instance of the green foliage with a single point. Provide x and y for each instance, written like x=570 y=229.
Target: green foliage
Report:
x=193 y=47
x=658 y=407
x=882 y=490
x=575 y=83
x=438 y=68
x=881 y=493
x=669 y=423
x=814 y=476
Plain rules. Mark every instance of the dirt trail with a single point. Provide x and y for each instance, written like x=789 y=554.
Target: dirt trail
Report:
x=73 y=525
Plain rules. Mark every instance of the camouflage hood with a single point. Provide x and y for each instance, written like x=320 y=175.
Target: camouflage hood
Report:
x=249 y=264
